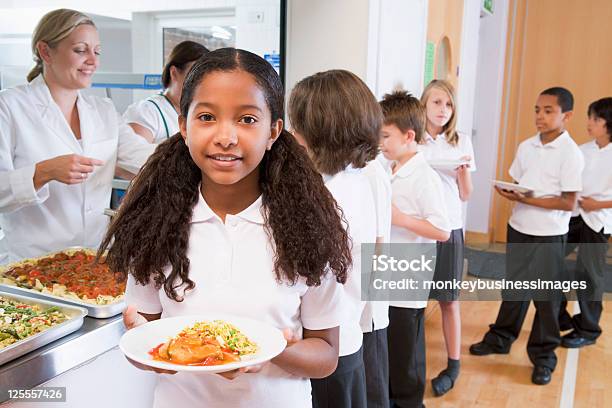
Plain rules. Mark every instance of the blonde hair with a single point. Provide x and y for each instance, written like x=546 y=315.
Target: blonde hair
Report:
x=52 y=28
x=452 y=137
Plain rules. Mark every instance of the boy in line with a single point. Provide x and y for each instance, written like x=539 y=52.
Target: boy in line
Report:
x=419 y=216
x=550 y=164
x=590 y=228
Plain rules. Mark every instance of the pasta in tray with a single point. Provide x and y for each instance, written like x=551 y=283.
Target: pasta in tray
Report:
x=71 y=274
x=205 y=343
x=19 y=321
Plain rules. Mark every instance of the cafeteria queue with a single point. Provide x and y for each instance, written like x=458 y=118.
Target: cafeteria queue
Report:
x=232 y=212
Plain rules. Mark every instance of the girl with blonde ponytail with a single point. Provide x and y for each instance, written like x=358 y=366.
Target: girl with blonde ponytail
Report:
x=442 y=142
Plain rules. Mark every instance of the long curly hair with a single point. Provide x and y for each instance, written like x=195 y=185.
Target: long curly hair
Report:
x=150 y=233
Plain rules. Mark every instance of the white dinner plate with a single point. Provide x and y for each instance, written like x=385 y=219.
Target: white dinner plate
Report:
x=511 y=187
x=447 y=164
x=137 y=342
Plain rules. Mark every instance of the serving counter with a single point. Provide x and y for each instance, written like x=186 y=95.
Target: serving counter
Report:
x=94 y=338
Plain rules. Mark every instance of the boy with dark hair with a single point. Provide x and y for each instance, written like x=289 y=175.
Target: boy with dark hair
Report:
x=550 y=164
x=590 y=228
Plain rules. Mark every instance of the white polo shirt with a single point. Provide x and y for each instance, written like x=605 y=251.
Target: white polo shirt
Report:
x=353 y=194
x=418 y=191
x=548 y=170
x=439 y=149
x=231 y=264
x=596 y=184
x=375 y=315
x=161 y=124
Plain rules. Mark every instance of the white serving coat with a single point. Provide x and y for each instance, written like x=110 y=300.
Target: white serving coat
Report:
x=33 y=129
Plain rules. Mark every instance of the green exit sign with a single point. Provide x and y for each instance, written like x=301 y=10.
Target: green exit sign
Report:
x=487 y=5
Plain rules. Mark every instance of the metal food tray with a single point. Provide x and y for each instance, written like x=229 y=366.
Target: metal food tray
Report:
x=93 y=310
x=53 y=333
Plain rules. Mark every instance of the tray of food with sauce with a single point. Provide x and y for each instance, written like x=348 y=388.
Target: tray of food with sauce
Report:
x=73 y=276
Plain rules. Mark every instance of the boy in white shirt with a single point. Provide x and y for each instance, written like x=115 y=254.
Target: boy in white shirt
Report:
x=550 y=164
x=418 y=217
x=590 y=228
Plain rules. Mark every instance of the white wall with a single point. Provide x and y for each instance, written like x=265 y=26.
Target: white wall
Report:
x=401 y=38
x=261 y=37
x=468 y=65
x=381 y=41
x=323 y=35
x=487 y=113
x=467 y=77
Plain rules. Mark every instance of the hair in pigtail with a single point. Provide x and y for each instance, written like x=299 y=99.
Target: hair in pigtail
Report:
x=286 y=170
x=151 y=229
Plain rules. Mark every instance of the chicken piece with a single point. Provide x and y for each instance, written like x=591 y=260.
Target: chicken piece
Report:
x=192 y=350
x=163 y=350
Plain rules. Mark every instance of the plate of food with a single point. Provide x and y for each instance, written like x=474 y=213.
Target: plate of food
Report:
x=202 y=343
x=447 y=164
x=511 y=187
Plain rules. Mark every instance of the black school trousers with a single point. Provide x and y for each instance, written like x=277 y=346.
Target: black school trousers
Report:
x=530 y=257
x=590 y=266
x=406 y=335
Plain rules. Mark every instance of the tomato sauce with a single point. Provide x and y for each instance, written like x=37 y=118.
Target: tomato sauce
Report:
x=229 y=356
x=78 y=272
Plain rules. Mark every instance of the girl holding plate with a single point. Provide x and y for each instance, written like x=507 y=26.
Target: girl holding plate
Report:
x=231 y=217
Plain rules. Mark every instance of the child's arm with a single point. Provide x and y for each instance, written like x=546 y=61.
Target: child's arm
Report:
x=590 y=204
x=315 y=356
x=565 y=202
x=464 y=181
x=420 y=227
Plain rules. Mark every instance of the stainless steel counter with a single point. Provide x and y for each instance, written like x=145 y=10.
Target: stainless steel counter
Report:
x=95 y=337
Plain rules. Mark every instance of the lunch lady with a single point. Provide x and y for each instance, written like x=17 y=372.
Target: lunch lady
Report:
x=59 y=147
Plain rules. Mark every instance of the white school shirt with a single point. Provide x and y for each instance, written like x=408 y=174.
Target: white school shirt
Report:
x=145 y=114
x=232 y=265
x=57 y=216
x=439 y=149
x=597 y=184
x=352 y=192
x=418 y=191
x=375 y=315
x=548 y=170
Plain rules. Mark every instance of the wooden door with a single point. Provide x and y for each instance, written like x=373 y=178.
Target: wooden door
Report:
x=444 y=23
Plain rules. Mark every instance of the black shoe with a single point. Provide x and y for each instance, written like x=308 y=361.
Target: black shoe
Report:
x=442 y=384
x=484 y=349
x=541 y=375
x=565 y=326
x=574 y=340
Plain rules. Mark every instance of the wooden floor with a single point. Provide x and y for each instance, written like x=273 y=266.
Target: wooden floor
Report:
x=505 y=380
